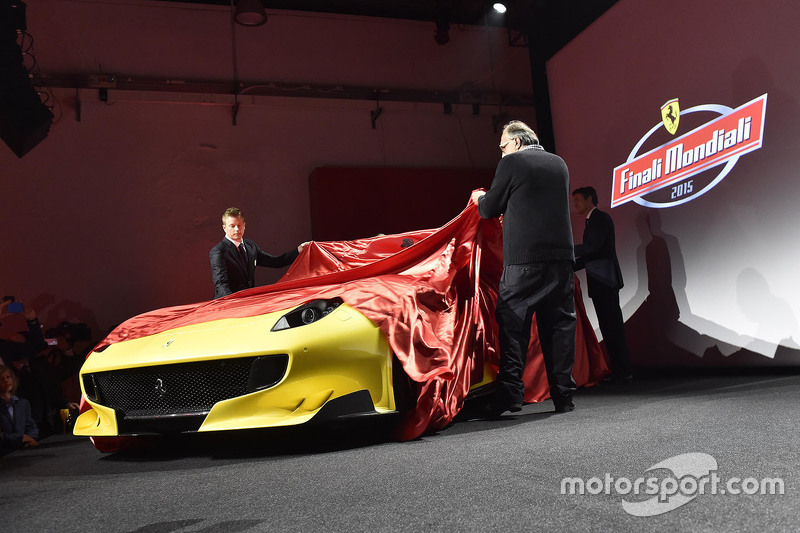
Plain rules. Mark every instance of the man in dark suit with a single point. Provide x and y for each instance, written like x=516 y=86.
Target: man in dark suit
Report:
x=598 y=255
x=234 y=259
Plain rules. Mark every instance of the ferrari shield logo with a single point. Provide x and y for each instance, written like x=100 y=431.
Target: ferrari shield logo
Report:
x=671 y=115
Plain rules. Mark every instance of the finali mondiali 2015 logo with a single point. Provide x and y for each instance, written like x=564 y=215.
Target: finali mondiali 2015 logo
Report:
x=721 y=141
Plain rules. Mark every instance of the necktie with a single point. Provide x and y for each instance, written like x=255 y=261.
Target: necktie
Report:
x=243 y=253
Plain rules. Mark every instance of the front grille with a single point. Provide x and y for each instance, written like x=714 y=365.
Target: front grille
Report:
x=183 y=388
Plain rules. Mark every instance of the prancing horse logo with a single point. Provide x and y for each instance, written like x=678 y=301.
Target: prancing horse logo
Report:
x=160 y=389
x=671 y=115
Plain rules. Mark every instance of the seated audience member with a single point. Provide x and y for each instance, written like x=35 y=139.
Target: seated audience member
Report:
x=18 y=428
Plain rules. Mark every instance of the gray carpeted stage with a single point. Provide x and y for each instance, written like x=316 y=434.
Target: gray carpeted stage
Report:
x=475 y=475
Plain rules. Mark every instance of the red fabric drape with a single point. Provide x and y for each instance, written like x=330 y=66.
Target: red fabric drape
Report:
x=434 y=301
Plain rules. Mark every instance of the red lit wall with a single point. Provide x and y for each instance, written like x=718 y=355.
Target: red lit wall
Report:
x=114 y=213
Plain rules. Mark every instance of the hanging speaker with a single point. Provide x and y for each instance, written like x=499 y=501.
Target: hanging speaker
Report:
x=24 y=119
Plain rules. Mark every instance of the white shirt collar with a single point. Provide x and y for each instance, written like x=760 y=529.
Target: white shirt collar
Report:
x=234 y=242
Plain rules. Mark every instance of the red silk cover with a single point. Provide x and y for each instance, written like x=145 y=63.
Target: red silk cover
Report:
x=434 y=300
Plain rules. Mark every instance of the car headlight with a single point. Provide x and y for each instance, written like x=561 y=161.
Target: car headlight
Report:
x=307 y=314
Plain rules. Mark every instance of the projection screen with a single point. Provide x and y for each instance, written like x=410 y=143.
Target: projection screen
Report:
x=684 y=116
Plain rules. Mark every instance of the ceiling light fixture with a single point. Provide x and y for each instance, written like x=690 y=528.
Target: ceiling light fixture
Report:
x=250 y=13
x=500 y=8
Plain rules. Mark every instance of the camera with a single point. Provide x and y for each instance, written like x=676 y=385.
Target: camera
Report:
x=72 y=332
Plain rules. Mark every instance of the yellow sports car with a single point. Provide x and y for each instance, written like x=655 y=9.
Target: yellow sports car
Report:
x=353 y=329
x=323 y=359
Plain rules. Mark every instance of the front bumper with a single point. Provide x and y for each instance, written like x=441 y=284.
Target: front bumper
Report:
x=237 y=374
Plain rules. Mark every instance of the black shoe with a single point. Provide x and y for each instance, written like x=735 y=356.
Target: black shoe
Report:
x=493 y=411
x=565 y=407
x=618 y=380
x=623 y=380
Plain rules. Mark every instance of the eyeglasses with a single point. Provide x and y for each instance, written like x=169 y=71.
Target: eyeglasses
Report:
x=503 y=146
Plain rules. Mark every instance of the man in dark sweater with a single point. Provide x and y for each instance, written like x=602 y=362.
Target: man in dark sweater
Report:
x=531 y=191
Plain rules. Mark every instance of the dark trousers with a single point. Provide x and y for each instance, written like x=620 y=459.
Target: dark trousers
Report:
x=545 y=289
x=609 y=317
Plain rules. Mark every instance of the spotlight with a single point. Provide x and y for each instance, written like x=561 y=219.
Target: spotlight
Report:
x=250 y=13
x=500 y=8
x=442 y=16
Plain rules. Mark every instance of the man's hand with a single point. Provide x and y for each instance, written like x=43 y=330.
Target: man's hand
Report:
x=476 y=195
x=303 y=245
x=30 y=313
x=29 y=441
